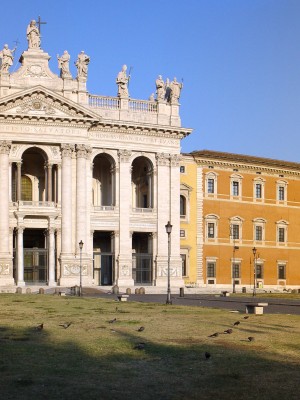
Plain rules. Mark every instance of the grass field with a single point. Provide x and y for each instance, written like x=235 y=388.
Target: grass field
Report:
x=96 y=359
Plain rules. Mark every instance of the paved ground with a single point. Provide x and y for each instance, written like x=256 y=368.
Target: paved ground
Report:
x=276 y=306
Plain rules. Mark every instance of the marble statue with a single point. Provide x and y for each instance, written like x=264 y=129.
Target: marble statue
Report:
x=160 y=89
x=63 y=65
x=175 y=90
x=122 y=82
x=82 y=65
x=7 y=58
x=33 y=36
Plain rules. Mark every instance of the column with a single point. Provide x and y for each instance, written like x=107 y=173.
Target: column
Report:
x=124 y=250
x=81 y=195
x=66 y=199
x=59 y=183
x=49 y=182
x=19 y=180
x=20 y=257
x=51 y=257
x=6 y=268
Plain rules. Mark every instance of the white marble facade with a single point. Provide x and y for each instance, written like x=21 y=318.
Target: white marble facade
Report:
x=80 y=167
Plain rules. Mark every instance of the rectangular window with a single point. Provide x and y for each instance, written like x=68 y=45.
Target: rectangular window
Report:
x=235 y=231
x=182 y=169
x=258 y=191
x=258 y=233
x=182 y=233
x=183 y=263
x=281 y=193
x=211 y=270
x=211 y=230
x=235 y=271
x=210 y=185
x=235 y=188
x=281 y=271
x=281 y=235
x=259 y=272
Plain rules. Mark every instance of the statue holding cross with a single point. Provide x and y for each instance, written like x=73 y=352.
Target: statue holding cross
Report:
x=33 y=36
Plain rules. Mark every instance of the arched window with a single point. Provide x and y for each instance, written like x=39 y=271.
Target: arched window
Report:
x=26 y=188
x=182 y=206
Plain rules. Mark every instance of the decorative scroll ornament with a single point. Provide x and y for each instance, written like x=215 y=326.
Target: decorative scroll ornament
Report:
x=73 y=269
x=37 y=106
x=5 y=147
x=124 y=155
x=162 y=159
x=67 y=150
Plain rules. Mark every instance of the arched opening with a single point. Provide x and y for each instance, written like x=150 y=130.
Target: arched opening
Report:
x=182 y=206
x=26 y=188
x=103 y=181
x=142 y=183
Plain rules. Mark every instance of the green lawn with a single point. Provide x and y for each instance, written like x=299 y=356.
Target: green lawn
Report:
x=95 y=359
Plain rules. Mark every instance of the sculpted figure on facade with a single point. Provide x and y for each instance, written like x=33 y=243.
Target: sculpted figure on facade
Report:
x=122 y=82
x=175 y=90
x=7 y=58
x=33 y=36
x=160 y=89
x=82 y=63
x=63 y=65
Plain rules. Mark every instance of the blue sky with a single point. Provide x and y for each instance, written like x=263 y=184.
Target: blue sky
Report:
x=239 y=60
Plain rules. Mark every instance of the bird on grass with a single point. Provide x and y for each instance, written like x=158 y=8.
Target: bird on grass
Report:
x=141 y=329
x=39 y=327
x=139 y=346
x=65 y=325
x=214 y=335
x=246 y=317
x=236 y=323
x=112 y=320
x=228 y=331
x=207 y=355
x=251 y=339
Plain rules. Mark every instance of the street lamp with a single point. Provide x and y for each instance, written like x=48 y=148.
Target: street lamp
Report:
x=80 y=267
x=169 y=230
x=254 y=271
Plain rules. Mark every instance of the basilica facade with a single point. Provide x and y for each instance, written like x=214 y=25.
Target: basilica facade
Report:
x=88 y=182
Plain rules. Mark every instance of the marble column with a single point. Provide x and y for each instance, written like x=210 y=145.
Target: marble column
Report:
x=51 y=257
x=66 y=199
x=20 y=257
x=81 y=195
x=6 y=270
x=19 y=180
x=49 y=182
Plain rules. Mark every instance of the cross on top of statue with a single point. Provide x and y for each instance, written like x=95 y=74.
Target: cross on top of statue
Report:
x=39 y=23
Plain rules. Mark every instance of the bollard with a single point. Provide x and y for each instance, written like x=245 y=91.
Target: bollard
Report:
x=41 y=291
x=128 y=291
x=28 y=290
x=115 y=289
x=142 y=290
x=181 y=292
x=244 y=290
x=19 y=290
x=137 y=291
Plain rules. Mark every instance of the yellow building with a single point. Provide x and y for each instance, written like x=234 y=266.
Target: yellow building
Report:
x=244 y=221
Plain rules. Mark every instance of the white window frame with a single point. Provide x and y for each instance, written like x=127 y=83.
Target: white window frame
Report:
x=281 y=184
x=211 y=280
x=214 y=176
x=236 y=261
x=186 y=251
x=239 y=179
x=211 y=219
x=185 y=191
x=261 y=222
x=236 y=221
x=261 y=182
x=282 y=225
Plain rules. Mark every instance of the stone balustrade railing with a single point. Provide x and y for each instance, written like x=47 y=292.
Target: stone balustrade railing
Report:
x=37 y=204
x=114 y=103
x=143 y=106
x=110 y=103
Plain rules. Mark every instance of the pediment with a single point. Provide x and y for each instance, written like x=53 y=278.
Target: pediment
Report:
x=184 y=186
x=42 y=103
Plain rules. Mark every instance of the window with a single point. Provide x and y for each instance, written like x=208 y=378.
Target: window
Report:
x=210 y=185
x=235 y=270
x=281 y=193
x=258 y=191
x=211 y=270
x=281 y=271
x=182 y=206
x=281 y=234
x=182 y=169
x=182 y=233
x=183 y=263
x=26 y=188
x=259 y=271
x=235 y=231
x=258 y=232
x=211 y=230
x=235 y=188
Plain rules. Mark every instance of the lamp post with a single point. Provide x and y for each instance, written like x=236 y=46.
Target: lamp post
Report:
x=80 y=267
x=169 y=230
x=254 y=271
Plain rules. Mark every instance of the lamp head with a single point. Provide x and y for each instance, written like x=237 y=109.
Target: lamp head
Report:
x=81 y=244
x=254 y=251
x=168 y=227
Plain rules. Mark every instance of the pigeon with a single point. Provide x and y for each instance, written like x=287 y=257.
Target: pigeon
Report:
x=139 y=346
x=236 y=323
x=112 y=320
x=66 y=325
x=246 y=317
x=207 y=355
x=39 y=327
x=214 y=335
x=251 y=339
x=141 y=329
x=228 y=331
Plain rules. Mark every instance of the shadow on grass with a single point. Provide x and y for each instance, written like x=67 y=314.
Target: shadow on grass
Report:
x=34 y=366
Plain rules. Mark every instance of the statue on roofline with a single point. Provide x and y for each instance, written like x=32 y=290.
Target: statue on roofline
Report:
x=82 y=65
x=33 y=36
x=7 y=58
x=122 y=82
x=63 y=65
